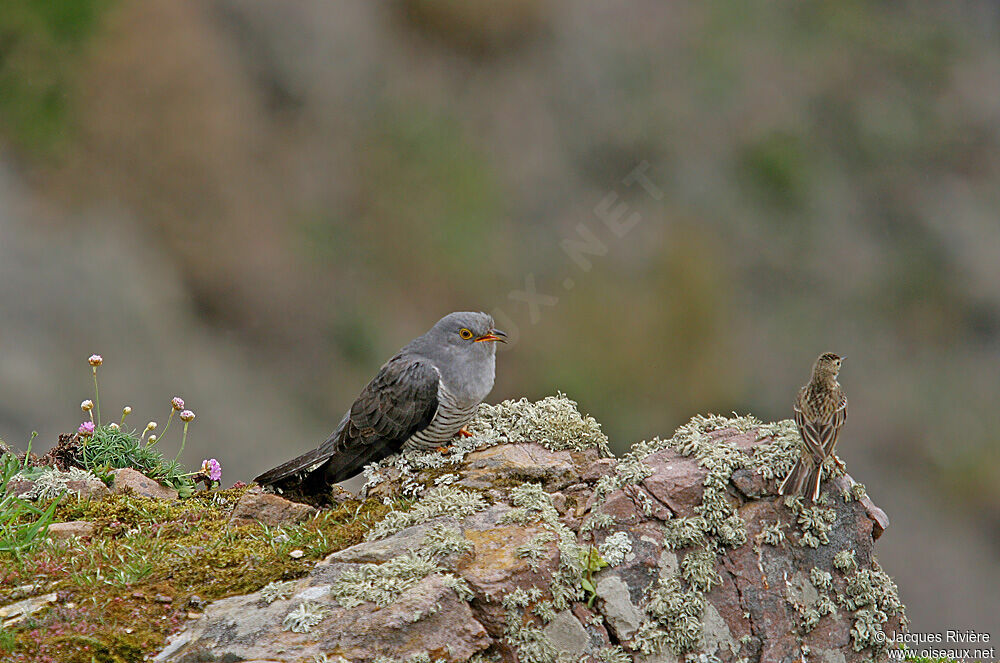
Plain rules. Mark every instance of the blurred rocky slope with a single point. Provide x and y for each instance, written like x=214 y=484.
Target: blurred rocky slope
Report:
x=254 y=203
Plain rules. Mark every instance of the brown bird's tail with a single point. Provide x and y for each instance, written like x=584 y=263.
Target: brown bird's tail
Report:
x=804 y=479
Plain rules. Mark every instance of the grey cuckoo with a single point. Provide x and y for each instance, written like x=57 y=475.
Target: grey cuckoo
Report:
x=421 y=398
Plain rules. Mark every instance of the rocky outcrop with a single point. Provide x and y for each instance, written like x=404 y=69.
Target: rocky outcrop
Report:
x=529 y=544
x=134 y=482
x=266 y=509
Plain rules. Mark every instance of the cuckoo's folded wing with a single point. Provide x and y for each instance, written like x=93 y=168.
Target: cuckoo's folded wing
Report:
x=398 y=402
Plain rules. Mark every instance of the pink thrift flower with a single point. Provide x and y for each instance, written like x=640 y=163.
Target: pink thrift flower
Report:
x=177 y=403
x=212 y=469
x=86 y=428
x=187 y=415
x=95 y=360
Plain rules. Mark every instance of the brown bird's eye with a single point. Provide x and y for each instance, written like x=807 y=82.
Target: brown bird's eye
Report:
x=465 y=333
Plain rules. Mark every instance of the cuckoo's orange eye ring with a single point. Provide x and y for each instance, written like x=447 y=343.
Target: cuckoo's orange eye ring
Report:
x=465 y=333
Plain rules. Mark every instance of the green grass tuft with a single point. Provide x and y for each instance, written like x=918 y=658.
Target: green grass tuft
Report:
x=112 y=448
x=22 y=524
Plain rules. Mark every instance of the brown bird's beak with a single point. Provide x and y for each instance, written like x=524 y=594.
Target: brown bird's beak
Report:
x=494 y=335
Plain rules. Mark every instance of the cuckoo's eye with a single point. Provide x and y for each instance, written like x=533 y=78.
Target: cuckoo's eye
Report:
x=465 y=333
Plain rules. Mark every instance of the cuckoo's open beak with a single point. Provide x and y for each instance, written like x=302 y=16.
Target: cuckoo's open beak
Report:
x=494 y=335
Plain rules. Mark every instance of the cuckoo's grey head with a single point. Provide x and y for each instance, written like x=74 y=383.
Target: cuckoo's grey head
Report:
x=463 y=347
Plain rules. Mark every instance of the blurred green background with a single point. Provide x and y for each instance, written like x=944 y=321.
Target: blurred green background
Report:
x=253 y=203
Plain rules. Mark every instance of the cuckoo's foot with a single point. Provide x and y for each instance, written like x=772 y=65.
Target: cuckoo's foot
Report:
x=444 y=450
x=463 y=432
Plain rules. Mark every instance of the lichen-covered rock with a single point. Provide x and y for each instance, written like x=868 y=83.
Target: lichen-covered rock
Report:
x=431 y=617
x=517 y=463
x=54 y=482
x=528 y=545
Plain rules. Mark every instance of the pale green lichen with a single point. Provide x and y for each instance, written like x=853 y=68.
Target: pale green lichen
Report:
x=486 y=657
x=855 y=493
x=845 y=561
x=615 y=548
x=446 y=479
x=824 y=606
x=420 y=657
x=732 y=531
x=684 y=532
x=676 y=623
x=531 y=505
x=532 y=645
x=772 y=533
x=304 y=617
x=439 y=501
x=823 y=580
x=536 y=549
x=698 y=569
x=384 y=583
x=776 y=458
x=872 y=597
x=545 y=610
x=273 y=591
x=815 y=522
x=596 y=521
x=442 y=541
x=553 y=422
x=613 y=654
x=52 y=483
x=459 y=586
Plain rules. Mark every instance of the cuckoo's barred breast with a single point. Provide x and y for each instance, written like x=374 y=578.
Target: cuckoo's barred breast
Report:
x=449 y=418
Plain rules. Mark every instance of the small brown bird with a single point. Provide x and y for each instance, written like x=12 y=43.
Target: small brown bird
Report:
x=820 y=412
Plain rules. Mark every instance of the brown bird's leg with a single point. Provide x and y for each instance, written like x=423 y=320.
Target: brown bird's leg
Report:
x=464 y=432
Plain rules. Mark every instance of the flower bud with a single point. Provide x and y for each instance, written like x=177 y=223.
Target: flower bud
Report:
x=95 y=360
x=87 y=405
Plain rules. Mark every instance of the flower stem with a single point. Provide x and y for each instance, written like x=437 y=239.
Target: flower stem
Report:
x=166 y=426
x=184 y=438
x=97 y=398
